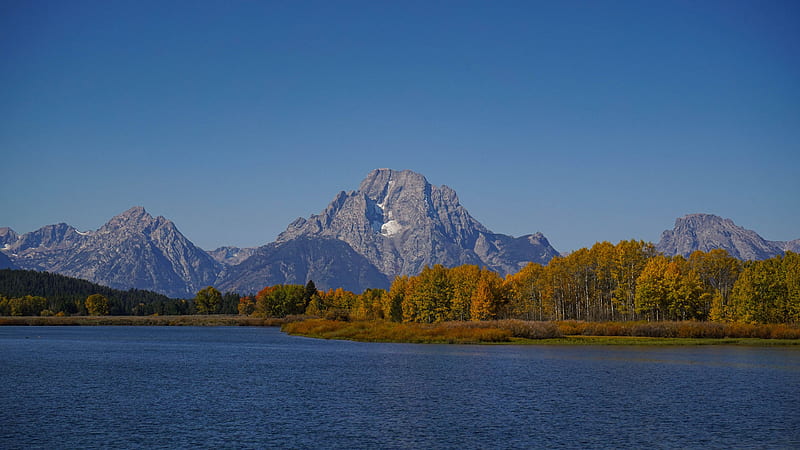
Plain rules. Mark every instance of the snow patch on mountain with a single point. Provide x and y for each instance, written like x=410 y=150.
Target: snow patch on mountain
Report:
x=390 y=228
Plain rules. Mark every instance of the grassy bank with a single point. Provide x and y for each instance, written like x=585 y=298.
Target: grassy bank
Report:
x=554 y=333
x=685 y=329
x=633 y=340
x=382 y=331
x=194 y=321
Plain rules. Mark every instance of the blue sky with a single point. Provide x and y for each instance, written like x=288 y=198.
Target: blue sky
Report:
x=587 y=121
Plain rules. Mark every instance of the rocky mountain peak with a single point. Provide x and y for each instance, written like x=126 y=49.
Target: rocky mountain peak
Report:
x=7 y=237
x=132 y=250
x=701 y=220
x=400 y=223
x=136 y=217
x=707 y=232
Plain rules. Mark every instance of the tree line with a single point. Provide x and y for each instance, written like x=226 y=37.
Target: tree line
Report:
x=628 y=281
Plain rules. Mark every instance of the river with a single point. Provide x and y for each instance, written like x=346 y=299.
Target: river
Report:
x=248 y=387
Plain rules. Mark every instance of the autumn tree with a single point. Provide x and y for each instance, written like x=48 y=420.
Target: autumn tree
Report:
x=528 y=293
x=629 y=261
x=603 y=261
x=393 y=300
x=96 y=305
x=207 y=300
x=561 y=288
x=464 y=281
x=652 y=288
x=430 y=299
x=686 y=298
x=791 y=268
x=718 y=272
x=488 y=300
x=27 y=305
x=768 y=291
x=369 y=305
x=247 y=306
x=669 y=289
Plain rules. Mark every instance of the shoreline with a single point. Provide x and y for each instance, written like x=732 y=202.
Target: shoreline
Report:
x=425 y=338
x=500 y=333
x=213 y=320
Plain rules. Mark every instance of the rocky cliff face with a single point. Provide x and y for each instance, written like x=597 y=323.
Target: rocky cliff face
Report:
x=132 y=250
x=706 y=232
x=7 y=237
x=400 y=223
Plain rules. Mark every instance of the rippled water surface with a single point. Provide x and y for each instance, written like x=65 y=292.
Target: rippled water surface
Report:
x=173 y=387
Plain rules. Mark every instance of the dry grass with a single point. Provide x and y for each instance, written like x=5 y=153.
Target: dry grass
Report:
x=382 y=331
x=687 y=329
x=567 y=332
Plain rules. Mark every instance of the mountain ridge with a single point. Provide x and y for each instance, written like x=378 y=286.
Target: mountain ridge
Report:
x=705 y=232
x=395 y=223
x=132 y=250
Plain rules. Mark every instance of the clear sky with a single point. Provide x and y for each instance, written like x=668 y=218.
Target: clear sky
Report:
x=585 y=120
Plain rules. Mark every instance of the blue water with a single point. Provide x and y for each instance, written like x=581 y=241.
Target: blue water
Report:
x=178 y=387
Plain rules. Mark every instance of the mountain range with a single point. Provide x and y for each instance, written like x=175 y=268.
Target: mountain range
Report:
x=132 y=250
x=395 y=223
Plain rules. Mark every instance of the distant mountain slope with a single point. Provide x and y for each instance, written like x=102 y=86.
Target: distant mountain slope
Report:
x=230 y=256
x=6 y=263
x=329 y=262
x=400 y=223
x=789 y=246
x=707 y=232
x=132 y=250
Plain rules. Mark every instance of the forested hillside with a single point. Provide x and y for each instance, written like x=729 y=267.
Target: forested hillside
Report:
x=27 y=290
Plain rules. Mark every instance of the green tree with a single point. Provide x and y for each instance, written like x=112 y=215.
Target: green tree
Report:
x=310 y=292
x=97 y=305
x=208 y=300
x=229 y=303
x=281 y=300
x=5 y=309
